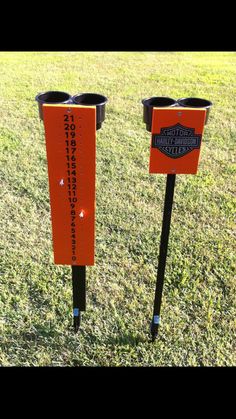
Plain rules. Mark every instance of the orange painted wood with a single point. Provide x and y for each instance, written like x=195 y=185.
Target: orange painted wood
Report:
x=176 y=140
x=70 y=133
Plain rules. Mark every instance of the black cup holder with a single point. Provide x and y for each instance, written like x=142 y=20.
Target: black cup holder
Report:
x=92 y=99
x=51 y=97
x=150 y=103
x=194 y=102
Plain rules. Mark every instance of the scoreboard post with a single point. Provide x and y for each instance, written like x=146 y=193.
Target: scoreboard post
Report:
x=70 y=133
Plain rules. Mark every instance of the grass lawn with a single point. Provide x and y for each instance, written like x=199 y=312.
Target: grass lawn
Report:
x=198 y=308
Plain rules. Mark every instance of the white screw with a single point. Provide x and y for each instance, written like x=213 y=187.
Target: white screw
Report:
x=61 y=182
x=81 y=214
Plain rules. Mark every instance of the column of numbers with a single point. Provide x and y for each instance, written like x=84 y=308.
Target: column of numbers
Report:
x=71 y=162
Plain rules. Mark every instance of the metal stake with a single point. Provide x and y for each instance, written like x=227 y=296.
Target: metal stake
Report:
x=170 y=185
x=79 y=293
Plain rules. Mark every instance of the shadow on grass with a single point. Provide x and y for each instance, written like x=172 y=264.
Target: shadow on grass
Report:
x=43 y=335
x=129 y=339
x=54 y=338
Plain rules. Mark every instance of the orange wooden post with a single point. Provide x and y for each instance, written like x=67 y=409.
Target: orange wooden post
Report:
x=70 y=132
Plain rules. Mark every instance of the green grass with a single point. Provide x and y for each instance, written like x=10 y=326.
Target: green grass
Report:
x=198 y=309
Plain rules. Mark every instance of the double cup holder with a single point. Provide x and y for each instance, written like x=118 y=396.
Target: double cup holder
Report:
x=85 y=99
x=165 y=102
x=93 y=99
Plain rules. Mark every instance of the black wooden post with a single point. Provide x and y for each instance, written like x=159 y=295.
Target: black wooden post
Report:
x=170 y=185
x=79 y=293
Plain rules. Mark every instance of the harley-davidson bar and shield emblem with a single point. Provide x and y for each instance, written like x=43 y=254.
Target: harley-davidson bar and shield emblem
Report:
x=176 y=141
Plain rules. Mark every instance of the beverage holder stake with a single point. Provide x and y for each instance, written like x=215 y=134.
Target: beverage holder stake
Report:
x=70 y=132
x=177 y=128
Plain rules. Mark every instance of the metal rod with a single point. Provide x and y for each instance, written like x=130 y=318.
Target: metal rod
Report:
x=79 y=293
x=170 y=185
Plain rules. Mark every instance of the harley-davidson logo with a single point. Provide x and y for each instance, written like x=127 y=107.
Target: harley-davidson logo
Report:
x=176 y=141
